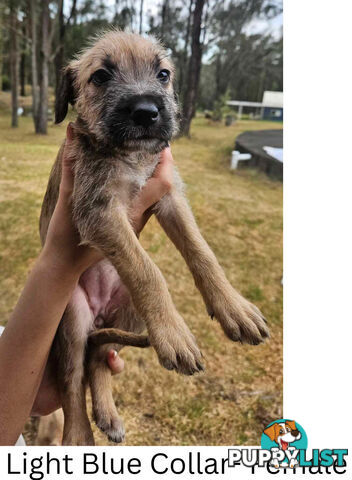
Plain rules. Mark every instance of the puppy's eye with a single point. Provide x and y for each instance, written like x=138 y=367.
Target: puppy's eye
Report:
x=163 y=76
x=281 y=431
x=99 y=77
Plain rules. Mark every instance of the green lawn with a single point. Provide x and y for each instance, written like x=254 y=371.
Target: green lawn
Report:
x=240 y=215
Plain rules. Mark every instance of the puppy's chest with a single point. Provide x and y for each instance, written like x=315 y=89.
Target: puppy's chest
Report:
x=121 y=176
x=135 y=174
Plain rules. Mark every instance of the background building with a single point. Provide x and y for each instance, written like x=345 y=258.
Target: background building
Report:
x=271 y=107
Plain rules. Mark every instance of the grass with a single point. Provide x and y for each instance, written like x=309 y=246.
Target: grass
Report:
x=240 y=215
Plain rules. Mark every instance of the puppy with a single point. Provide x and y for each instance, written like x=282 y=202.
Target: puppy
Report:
x=283 y=433
x=121 y=88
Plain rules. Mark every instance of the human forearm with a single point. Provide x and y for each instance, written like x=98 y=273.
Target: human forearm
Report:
x=26 y=342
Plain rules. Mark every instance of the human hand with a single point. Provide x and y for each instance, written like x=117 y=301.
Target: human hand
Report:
x=153 y=191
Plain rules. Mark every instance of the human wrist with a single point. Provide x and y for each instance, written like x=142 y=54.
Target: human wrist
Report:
x=51 y=261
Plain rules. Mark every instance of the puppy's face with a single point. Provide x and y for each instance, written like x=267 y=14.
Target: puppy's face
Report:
x=287 y=435
x=122 y=91
x=283 y=433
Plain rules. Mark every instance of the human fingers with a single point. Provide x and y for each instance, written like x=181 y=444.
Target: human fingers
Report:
x=115 y=362
x=67 y=177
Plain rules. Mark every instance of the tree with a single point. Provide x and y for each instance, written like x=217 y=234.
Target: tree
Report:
x=14 y=58
x=141 y=17
x=40 y=58
x=184 y=55
x=34 y=63
x=189 y=103
x=164 y=18
x=59 y=56
x=124 y=14
x=243 y=64
x=238 y=61
x=63 y=25
x=24 y=52
x=2 y=8
x=42 y=121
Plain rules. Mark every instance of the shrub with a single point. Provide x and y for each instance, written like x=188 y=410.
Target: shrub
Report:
x=6 y=84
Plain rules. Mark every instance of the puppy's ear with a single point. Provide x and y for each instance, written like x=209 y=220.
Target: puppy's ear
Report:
x=65 y=95
x=291 y=424
x=272 y=431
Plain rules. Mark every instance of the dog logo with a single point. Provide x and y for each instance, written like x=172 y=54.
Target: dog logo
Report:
x=284 y=438
x=283 y=433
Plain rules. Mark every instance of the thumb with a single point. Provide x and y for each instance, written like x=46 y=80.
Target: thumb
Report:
x=67 y=178
x=115 y=362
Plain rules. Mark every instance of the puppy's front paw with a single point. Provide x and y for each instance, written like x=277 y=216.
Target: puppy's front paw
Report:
x=176 y=347
x=111 y=425
x=275 y=463
x=241 y=320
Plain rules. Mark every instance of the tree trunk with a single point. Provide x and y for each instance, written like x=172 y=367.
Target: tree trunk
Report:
x=1 y=41
x=23 y=59
x=24 y=53
x=23 y=74
x=35 y=82
x=164 y=14
x=44 y=63
x=141 y=17
x=183 y=66
x=195 y=62
x=14 y=62
x=60 y=54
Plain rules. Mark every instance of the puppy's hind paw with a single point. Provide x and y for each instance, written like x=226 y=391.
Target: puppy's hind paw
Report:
x=112 y=426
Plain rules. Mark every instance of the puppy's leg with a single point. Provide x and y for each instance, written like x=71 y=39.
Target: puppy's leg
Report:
x=70 y=347
x=168 y=333
x=240 y=320
x=104 y=410
x=100 y=377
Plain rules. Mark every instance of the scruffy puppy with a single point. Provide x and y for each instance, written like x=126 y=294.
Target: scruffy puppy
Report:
x=122 y=91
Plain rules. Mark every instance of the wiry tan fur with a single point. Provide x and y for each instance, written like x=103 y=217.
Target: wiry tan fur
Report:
x=107 y=178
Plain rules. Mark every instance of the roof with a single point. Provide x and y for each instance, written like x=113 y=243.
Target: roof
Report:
x=270 y=99
x=273 y=99
x=238 y=103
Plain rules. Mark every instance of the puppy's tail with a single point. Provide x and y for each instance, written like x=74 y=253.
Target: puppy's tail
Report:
x=114 y=335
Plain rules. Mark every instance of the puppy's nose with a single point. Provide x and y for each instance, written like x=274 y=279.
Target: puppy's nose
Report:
x=145 y=113
x=295 y=433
